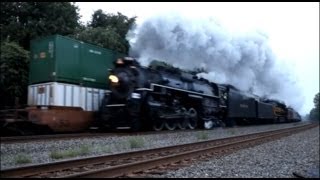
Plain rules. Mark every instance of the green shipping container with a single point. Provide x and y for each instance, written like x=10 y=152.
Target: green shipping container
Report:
x=62 y=59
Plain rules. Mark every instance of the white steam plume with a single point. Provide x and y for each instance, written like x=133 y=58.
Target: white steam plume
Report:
x=245 y=61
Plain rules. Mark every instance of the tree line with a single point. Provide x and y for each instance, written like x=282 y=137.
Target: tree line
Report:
x=23 y=21
x=315 y=111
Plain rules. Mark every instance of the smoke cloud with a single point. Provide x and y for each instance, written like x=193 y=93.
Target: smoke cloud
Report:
x=245 y=61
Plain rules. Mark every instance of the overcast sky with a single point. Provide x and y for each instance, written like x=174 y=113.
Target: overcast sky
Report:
x=292 y=28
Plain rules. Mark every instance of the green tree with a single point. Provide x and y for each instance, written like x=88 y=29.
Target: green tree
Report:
x=23 y=21
x=316 y=101
x=120 y=22
x=105 y=37
x=13 y=73
x=107 y=30
x=314 y=113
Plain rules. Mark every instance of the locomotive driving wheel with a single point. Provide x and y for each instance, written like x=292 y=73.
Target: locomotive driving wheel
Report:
x=158 y=123
x=193 y=118
x=170 y=124
x=183 y=123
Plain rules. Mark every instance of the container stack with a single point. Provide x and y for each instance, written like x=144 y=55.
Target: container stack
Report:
x=68 y=73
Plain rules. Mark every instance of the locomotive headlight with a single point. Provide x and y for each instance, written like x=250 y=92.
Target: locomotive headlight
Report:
x=113 y=78
x=120 y=61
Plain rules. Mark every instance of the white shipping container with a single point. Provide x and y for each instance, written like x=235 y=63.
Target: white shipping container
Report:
x=62 y=94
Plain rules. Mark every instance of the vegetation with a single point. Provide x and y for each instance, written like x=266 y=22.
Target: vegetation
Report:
x=107 y=30
x=103 y=149
x=314 y=113
x=83 y=150
x=136 y=142
x=104 y=37
x=14 y=73
x=23 y=21
x=121 y=145
x=22 y=159
x=202 y=135
x=232 y=131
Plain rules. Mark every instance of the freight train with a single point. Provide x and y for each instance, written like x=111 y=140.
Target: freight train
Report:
x=75 y=85
x=67 y=81
x=162 y=97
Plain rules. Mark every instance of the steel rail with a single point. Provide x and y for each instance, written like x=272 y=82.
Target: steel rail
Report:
x=124 y=163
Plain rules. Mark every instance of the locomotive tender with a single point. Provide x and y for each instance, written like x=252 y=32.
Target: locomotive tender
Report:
x=160 y=97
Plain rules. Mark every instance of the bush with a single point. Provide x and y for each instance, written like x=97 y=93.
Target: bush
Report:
x=22 y=159
x=103 y=149
x=202 y=135
x=14 y=67
x=83 y=150
x=136 y=142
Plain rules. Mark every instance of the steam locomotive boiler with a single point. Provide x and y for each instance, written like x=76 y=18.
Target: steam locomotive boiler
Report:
x=156 y=98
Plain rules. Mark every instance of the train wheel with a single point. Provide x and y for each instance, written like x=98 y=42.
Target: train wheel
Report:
x=193 y=118
x=183 y=123
x=170 y=125
x=158 y=125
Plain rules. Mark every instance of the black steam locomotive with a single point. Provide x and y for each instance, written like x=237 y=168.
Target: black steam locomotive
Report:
x=159 y=97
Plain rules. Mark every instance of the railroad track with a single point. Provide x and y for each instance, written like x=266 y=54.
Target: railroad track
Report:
x=24 y=139
x=50 y=137
x=145 y=162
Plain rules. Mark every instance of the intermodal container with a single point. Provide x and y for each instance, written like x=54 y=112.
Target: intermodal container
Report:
x=65 y=95
x=62 y=59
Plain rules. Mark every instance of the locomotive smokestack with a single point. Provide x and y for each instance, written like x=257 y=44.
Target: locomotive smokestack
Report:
x=245 y=61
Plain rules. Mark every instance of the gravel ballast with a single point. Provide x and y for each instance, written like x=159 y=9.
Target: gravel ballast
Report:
x=277 y=159
x=41 y=152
